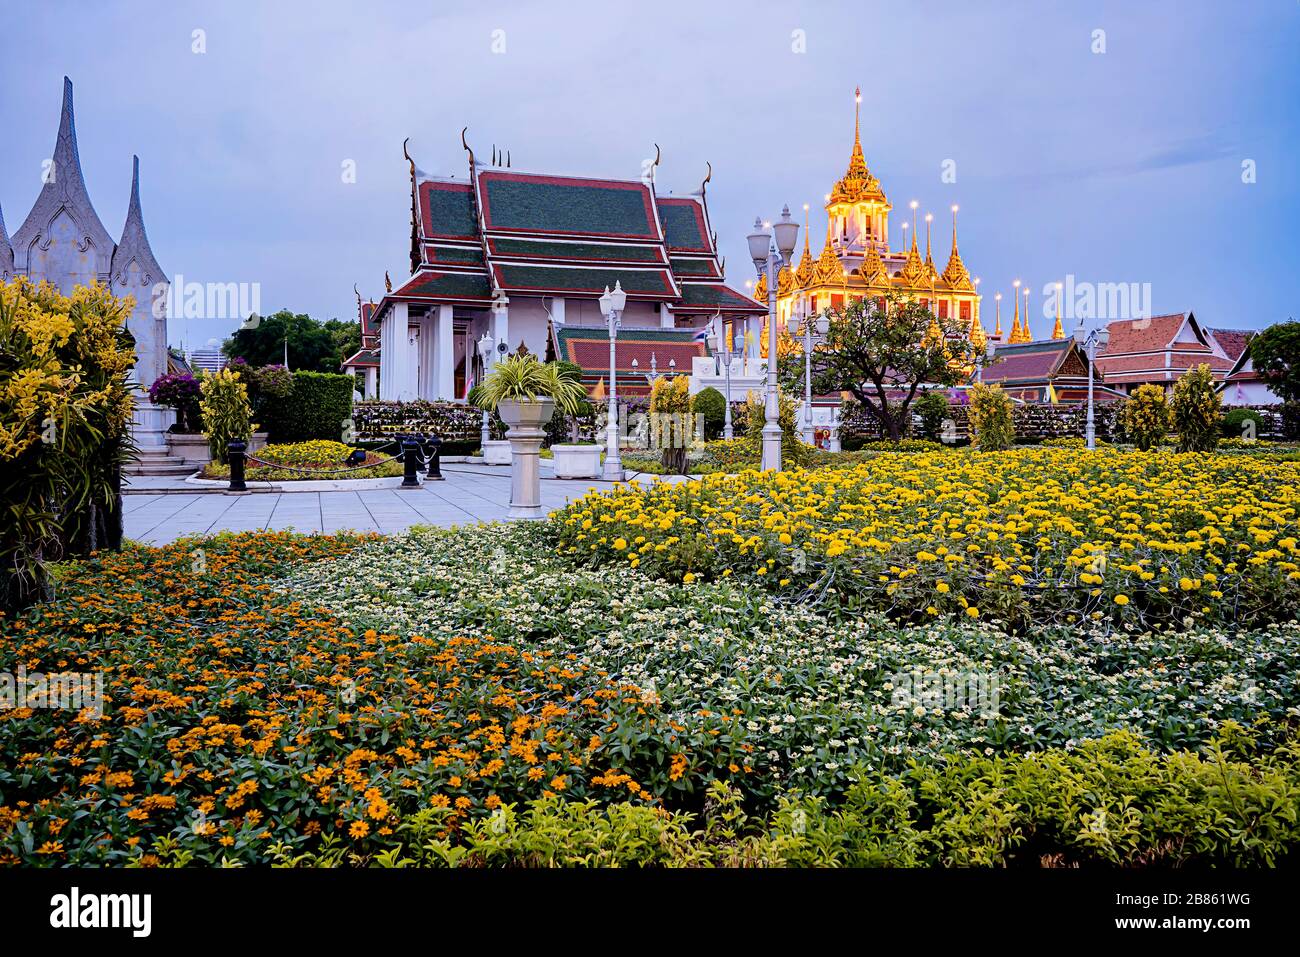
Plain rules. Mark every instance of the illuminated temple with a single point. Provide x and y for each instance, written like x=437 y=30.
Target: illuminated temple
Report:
x=857 y=260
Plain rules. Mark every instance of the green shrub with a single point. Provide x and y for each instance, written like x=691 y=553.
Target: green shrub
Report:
x=318 y=407
x=711 y=404
x=754 y=415
x=1197 y=411
x=1234 y=424
x=932 y=409
x=992 y=429
x=1145 y=417
x=1108 y=802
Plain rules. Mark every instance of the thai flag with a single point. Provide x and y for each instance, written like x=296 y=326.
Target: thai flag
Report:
x=469 y=385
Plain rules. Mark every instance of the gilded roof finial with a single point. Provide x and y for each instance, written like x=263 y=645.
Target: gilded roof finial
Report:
x=997 y=330
x=407 y=154
x=467 y=149
x=1015 y=323
x=707 y=177
x=388 y=283
x=358 y=294
x=955 y=273
x=1058 y=332
x=804 y=274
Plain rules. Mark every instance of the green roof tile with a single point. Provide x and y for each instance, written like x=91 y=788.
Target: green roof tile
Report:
x=551 y=204
x=653 y=283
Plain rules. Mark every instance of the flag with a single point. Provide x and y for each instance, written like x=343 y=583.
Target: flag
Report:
x=1051 y=394
x=469 y=387
x=598 y=393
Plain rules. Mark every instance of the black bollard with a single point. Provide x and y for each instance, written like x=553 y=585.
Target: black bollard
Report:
x=235 y=456
x=435 y=460
x=410 y=462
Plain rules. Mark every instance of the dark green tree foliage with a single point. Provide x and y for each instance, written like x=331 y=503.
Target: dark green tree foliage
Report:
x=711 y=404
x=312 y=346
x=932 y=408
x=1275 y=353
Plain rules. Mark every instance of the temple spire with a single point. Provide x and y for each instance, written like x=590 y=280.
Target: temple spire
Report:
x=134 y=246
x=997 y=329
x=64 y=190
x=1058 y=332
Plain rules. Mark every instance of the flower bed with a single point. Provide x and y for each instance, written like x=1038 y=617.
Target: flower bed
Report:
x=378 y=722
x=308 y=461
x=1041 y=535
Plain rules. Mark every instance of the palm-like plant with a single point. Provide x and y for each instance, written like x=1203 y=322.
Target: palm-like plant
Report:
x=524 y=379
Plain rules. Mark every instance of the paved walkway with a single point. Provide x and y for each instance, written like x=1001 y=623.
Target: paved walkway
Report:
x=160 y=510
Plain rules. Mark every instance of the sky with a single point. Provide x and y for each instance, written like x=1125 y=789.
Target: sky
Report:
x=1149 y=141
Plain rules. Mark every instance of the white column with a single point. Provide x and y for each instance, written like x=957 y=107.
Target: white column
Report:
x=428 y=384
x=501 y=324
x=395 y=356
x=557 y=311
x=665 y=317
x=444 y=358
x=372 y=377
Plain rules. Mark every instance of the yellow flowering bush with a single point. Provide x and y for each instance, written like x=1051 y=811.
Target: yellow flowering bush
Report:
x=227 y=414
x=1026 y=535
x=1145 y=417
x=64 y=411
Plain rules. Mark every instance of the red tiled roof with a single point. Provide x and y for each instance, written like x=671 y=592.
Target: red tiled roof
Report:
x=1232 y=341
x=1143 y=335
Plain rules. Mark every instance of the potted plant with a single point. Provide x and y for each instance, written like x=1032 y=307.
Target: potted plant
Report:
x=180 y=392
x=575 y=459
x=525 y=393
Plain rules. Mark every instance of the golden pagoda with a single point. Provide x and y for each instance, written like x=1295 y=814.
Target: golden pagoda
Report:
x=857 y=262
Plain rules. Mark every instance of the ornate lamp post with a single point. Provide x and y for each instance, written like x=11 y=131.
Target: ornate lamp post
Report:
x=611 y=306
x=814 y=331
x=1092 y=341
x=772 y=254
x=485 y=353
x=723 y=338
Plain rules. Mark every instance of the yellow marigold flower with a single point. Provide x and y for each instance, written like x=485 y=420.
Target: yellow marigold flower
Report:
x=1121 y=599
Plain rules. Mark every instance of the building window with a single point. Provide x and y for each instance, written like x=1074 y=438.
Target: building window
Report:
x=965 y=310
x=943 y=309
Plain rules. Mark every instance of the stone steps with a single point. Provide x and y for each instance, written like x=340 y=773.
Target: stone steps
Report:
x=158 y=462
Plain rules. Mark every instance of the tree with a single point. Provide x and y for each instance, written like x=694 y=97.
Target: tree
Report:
x=883 y=356
x=1197 y=411
x=313 y=347
x=347 y=338
x=1275 y=354
x=933 y=410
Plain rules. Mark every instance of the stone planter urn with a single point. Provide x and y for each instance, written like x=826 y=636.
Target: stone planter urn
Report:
x=576 y=461
x=496 y=452
x=190 y=447
x=526 y=420
x=257 y=441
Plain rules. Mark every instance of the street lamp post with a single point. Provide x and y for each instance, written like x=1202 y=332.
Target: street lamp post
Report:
x=766 y=252
x=723 y=336
x=611 y=306
x=485 y=353
x=814 y=330
x=1092 y=341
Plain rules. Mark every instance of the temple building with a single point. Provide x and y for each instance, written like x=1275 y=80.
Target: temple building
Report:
x=1159 y=350
x=518 y=261
x=857 y=260
x=63 y=242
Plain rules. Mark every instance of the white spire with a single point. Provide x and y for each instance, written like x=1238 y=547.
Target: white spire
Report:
x=64 y=191
x=135 y=241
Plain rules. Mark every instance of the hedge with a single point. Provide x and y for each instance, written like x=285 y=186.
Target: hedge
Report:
x=318 y=408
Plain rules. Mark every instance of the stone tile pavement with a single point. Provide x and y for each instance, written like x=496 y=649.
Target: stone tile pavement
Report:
x=160 y=510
